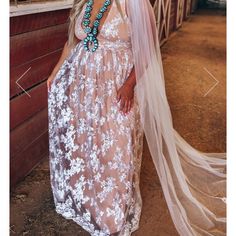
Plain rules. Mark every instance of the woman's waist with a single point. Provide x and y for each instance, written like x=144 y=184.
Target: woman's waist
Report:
x=114 y=45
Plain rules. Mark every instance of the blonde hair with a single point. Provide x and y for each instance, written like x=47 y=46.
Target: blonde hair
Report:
x=75 y=11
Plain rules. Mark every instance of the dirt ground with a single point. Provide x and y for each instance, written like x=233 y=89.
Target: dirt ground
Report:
x=191 y=57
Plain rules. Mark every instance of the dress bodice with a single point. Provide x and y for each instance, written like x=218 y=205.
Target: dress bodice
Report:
x=115 y=29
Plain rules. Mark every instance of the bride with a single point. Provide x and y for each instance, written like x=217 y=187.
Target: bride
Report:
x=106 y=92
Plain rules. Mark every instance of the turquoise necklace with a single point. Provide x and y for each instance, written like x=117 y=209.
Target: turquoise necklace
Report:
x=91 y=41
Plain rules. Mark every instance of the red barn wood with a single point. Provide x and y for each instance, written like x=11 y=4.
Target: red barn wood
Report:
x=36 y=42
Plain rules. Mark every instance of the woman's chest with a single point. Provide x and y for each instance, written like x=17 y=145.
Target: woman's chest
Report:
x=114 y=27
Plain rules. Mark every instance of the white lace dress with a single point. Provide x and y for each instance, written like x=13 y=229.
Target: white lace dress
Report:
x=95 y=149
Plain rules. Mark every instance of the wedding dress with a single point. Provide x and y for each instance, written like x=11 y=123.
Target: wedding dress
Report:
x=96 y=151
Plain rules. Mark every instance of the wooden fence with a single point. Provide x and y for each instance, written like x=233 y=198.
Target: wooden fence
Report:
x=170 y=15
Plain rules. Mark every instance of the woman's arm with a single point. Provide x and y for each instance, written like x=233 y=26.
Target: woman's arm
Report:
x=65 y=53
x=126 y=93
x=131 y=81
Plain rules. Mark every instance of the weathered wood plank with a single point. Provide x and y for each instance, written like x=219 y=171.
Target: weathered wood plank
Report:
x=23 y=163
x=27 y=23
x=187 y=9
x=33 y=72
x=173 y=15
x=23 y=107
x=28 y=46
x=25 y=134
x=180 y=13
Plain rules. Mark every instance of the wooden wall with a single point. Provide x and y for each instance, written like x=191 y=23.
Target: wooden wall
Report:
x=36 y=42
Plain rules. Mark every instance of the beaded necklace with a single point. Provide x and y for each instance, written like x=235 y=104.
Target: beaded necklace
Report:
x=91 y=41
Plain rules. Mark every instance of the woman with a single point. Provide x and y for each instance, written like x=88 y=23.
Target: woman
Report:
x=105 y=93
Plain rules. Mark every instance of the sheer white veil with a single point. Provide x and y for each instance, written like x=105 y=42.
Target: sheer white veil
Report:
x=193 y=182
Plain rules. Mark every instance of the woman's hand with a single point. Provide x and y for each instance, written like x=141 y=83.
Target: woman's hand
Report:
x=126 y=93
x=49 y=81
x=126 y=97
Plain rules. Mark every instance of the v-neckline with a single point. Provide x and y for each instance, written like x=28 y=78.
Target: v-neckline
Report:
x=95 y=18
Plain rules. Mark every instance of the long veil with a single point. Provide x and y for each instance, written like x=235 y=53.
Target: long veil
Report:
x=193 y=182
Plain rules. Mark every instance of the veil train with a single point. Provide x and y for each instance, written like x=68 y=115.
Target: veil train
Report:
x=193 y=182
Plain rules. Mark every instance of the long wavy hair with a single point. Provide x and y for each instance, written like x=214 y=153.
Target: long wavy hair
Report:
x=75 y=11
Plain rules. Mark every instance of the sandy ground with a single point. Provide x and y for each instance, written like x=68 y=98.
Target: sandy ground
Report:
x=191 y=57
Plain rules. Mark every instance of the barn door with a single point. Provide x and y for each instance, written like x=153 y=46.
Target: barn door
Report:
x=180 y=13
x=162 y=10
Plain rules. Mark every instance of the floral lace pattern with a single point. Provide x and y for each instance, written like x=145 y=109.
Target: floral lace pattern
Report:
x=96 y=150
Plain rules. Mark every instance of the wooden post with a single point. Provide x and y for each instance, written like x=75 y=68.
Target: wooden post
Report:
x=180 y=13
x=162 y=9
